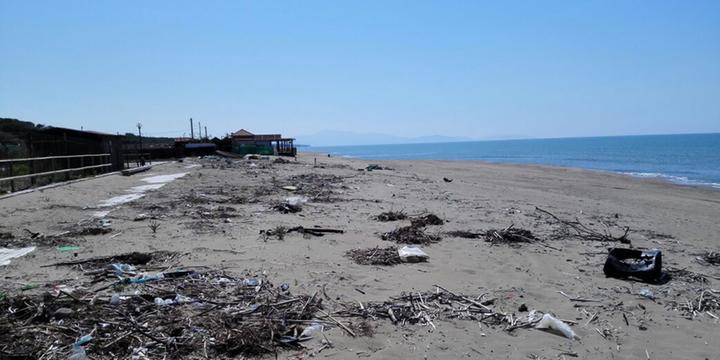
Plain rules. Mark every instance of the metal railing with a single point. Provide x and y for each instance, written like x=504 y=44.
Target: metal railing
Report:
x=57 y=164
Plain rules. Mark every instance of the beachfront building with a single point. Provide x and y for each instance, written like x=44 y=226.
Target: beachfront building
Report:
x=245 y=142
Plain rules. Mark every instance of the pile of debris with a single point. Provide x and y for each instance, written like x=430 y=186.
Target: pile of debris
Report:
x=375 y=256
x=411 y=234
x=318 y=187
x=509 y=236
x=425 y=220
x=183 y=313
x=426 y=307
x=391 y=216
x=705 y=301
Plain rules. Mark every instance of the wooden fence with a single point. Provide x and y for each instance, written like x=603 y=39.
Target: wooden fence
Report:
x=14 y=170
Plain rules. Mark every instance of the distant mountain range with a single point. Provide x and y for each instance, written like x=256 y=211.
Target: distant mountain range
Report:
x=338 y=138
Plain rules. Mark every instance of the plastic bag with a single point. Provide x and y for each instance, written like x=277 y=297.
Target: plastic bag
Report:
x=412 y=254
x=549 y=322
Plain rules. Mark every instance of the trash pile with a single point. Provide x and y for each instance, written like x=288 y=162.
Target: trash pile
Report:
x=177 y=313
x=509 y=236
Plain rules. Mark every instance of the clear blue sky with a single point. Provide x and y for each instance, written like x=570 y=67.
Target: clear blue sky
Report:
x=409 y=68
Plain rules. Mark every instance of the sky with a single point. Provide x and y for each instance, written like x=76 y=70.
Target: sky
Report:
x=474 y=69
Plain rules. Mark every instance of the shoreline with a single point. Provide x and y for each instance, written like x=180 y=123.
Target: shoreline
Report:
x=660 y=179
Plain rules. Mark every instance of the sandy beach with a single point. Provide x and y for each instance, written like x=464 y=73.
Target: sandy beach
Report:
x=213 y=211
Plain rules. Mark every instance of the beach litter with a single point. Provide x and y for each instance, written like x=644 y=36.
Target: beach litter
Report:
x=68 y=248
x=229 y=318
x=8 y=254
x=551 y=323
x=645 y=265
x=412 y=254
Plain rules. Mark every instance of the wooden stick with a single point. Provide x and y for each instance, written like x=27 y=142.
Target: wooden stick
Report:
x=338 y=322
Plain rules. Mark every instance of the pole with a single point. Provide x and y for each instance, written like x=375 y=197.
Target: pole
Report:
x=192 y=129
x=142 y=158
x=206 y=132
x=199 y=131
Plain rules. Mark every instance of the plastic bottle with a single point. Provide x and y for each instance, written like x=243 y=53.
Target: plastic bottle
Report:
x=549 y=322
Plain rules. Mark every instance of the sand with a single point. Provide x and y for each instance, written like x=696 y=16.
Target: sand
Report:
x=682 y=221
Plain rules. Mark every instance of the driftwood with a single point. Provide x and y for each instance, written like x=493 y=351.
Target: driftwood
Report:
x=281 y=231
x=586 y=233
x=425 y=308
x=185 y=314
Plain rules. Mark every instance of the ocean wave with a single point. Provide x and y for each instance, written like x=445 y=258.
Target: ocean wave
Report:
x=683 y=180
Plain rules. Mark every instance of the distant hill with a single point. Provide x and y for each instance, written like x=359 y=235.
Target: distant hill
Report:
x=338 y=138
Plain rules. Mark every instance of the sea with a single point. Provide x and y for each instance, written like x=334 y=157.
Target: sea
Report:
x=688 y=159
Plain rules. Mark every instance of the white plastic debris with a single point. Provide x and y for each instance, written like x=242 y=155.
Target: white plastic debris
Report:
x=163 y=302
x=549 y=322
x=412 y=254
x=311 y=330
x=296 y=200
x=290 y=188
x=647 y=293
x=7 y=254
